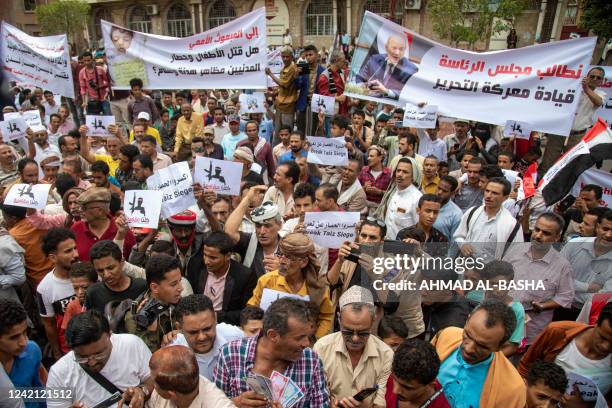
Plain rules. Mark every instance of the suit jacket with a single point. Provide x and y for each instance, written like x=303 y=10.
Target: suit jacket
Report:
x=239 y=285
x=376 y=67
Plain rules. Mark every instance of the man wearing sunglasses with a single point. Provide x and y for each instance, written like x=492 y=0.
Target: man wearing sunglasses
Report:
x=354 y=343
x=590 y=100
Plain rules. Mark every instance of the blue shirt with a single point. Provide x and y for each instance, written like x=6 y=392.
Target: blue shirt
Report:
x=229 y=143
x=448 y=219
x=462 y=382
x=289 y=156
x=25 y=371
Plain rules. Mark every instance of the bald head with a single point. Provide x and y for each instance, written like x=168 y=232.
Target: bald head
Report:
x=395 y=47
x=186 y=110
x=175 y=369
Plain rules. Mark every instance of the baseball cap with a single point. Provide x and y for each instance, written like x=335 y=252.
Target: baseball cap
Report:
x=233 y=118
x=144 y=115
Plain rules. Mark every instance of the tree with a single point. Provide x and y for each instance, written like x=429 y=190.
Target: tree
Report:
x=472 y=20
x=597 y=16
x=63 y=16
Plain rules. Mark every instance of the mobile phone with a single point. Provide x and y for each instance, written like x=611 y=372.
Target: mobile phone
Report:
x=365 y=393
x=354 y=256
x=109 y=401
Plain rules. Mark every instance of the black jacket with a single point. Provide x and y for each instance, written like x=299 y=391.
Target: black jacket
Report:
x=239 y=286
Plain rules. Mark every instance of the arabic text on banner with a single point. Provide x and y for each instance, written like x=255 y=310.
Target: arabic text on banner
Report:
x=330 y=152
x=423 y=118
x=29 y=196
x=331 y=228
x=36 y=61
x=233 y=55
x=275 y=63
x=142 y=208
x=176 y=186
x=221 y=176
x=539 y=84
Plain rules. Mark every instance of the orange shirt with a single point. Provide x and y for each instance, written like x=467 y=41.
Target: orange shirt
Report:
x=37 y=265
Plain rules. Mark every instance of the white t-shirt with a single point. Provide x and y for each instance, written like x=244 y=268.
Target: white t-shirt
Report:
x=585 y=111
x=128 y=366
x=572 y=361
x=53 y=295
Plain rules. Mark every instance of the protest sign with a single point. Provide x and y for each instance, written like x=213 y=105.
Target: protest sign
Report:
x=331 y=228
x=605 y=110
x=275 y=63
x=28 y=195
x=519 y=130
x=176 y=186
x=589 y=392
x=142 y=208
x=36 y=61
x=33 y=119
x=232 y=55
x=423 y=118
x=221 y=176
x=322 y=103
x=252 y=103
x=599 y=178
x=539 y=84
x=98 y=125
x=330 y=152
x=270 y=295
x=14 y=128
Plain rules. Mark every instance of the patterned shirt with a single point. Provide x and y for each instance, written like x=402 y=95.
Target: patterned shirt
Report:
x=237 y=360
x=381 y=182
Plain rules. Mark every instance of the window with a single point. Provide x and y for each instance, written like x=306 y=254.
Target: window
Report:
x=319 y=19
x=29 y=5
x=381 y=7
x=99 y=14
x=221 y=12
x=139 y=20
x=179 y=21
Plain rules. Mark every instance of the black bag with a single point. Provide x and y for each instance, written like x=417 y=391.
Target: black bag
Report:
x=95 y=107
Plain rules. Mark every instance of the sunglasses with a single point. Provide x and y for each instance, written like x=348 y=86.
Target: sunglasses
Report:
x=376 y=221
x=596 y=77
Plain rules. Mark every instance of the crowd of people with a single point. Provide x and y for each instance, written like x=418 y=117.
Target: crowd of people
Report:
x=94 y=311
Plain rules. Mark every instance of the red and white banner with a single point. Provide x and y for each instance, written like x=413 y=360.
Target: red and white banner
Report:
x=597 y=177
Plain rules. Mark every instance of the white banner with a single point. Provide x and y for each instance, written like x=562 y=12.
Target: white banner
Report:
x=520 y=130
x=176 y=185
x=252 y=103
x=13 y=129
x=599 y=177
x=36 y=61
x=97 y=125
x=330 y=229
x=330 y=152
x=322 y=103
x=142 y=208
x=424 y=118
x=27 y=195
x=539 y=84
x=221 y=176
x=605 y=111
x=233 y=55
x=275 y=63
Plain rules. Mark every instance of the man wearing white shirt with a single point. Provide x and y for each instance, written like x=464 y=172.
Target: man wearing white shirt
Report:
x=200 y=331
x=430 y=145
x=220 y=126
x=95 y=350
x=50 y=105
x=53 y=130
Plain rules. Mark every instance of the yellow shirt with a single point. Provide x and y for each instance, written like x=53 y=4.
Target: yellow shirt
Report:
x=113 y=164
x=187 y=129
x=374 y=367
x=151 y=131
x=273 y=280
x=430 y=188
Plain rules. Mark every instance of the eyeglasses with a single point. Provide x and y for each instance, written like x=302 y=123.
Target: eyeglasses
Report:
x=352 y=333
x=596 y=77
x=280 y=255
x=376 y=221
x=96 y=357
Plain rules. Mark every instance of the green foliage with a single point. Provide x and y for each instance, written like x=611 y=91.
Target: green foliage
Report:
x=63 y=16
x=472 y=20
x=597 y=16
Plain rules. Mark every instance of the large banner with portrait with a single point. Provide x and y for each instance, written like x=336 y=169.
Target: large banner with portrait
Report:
x=539 y=84
x=233 y=55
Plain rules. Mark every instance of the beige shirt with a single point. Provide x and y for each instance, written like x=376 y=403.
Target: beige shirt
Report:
x=374 y=367
x=209 y=396
x=276 y=196
x=161 y=162
x=584 y=114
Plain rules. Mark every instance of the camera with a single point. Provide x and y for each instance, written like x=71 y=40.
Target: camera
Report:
x=354 y=255
x=149 y=312
x=305 y=68
x=92 y=84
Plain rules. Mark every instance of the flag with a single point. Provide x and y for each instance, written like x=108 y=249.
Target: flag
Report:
x=595 y=145
x=529 y=180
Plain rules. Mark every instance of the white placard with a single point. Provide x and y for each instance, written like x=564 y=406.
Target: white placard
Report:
x=98 y=125
x=589 y=392
x=322 y=103
x=13 y=129
x=275 y=63
x=520 y=130
x=221 y=176
x=252 y=103
x=330 y=152
x=176 y=185
x=256 y=167
x=142 y=208
x=330 y=229
x=268 y=296
x=30 y=196
x=423 y=118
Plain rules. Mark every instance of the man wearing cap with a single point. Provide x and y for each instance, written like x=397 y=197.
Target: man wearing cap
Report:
x=140 y=103
x=354 y=359
x=97 y=224
x=231 y=139
x=50 y=165
x=245 y=156
x=187 y=127
x=144 y=120
x=211 y=149
x=187 y=241
x=257 y=250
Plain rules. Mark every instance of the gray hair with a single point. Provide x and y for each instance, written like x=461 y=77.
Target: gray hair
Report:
x=335 y=56
x=286 y=50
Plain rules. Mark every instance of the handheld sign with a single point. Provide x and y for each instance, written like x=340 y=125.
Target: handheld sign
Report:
x=275 y=63
x=252 y=103
x=423 y=118
x=269 y=296
x=176 y=186
x=322 y=103
x=330 y=152
x=98 y=125
x=33 y=119
x=221 y=176
x=142 y=208
x=520 y=130
x=331 y=228
x=29 y=196
x=13 y=129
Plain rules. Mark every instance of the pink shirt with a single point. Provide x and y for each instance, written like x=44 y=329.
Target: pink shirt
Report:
x=103 y=84
x=214 y=289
